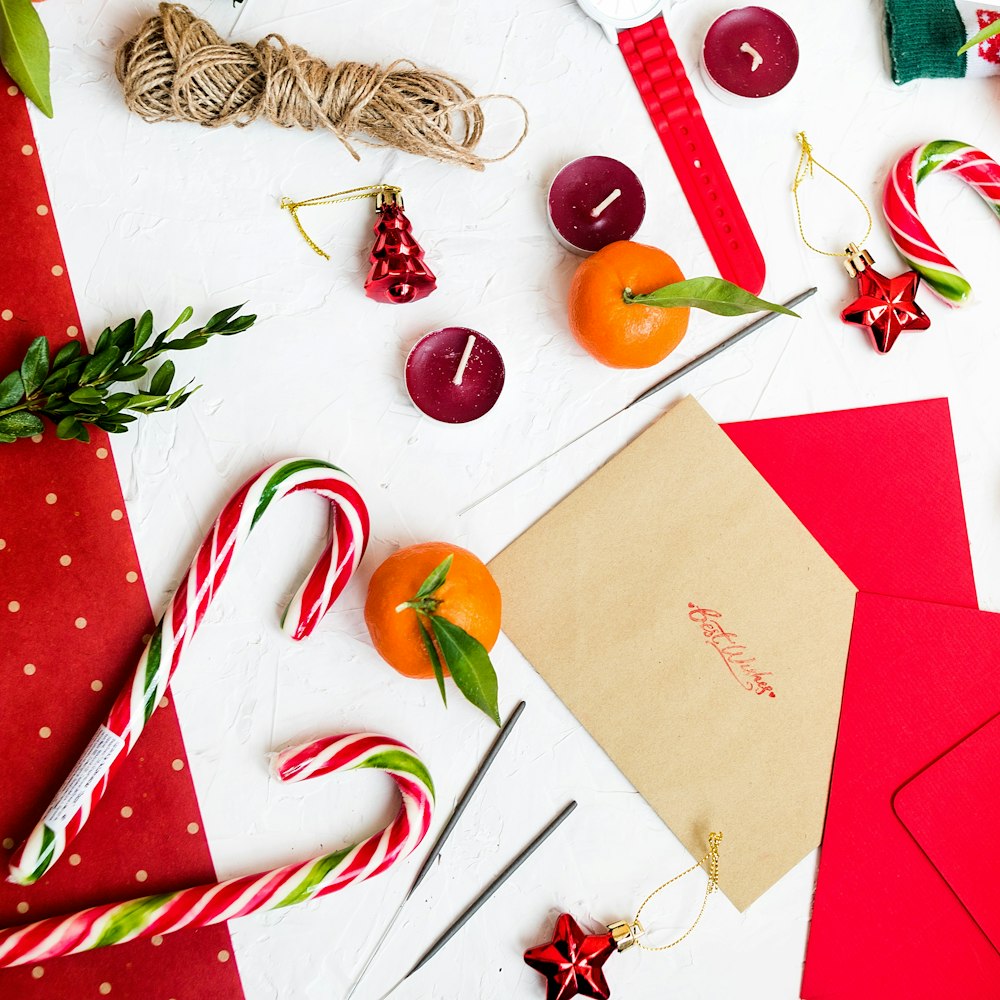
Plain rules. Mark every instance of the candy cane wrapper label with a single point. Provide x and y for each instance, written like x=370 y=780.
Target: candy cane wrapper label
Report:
x=83 y=779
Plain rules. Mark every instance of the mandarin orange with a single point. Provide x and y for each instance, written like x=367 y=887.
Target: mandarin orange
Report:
x=469 y=596
x=618 y=333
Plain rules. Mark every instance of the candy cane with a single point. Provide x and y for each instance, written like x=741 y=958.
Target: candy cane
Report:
x=113 y=741
x=899 y=203
x=116 y=923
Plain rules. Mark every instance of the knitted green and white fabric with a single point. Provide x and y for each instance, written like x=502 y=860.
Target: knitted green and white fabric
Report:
x=924 y=37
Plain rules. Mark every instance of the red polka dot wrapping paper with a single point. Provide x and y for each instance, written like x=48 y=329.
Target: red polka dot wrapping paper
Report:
x=73 y=612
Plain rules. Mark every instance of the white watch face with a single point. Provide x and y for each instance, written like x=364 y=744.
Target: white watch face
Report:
x=622 y=13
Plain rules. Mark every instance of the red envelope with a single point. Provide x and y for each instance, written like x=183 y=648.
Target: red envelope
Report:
x=952 y=810
x=920 y=678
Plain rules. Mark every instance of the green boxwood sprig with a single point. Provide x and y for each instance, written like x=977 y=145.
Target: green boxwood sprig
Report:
x=73 y=389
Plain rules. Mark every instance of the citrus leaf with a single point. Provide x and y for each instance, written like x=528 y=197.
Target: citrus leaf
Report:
x=436 y=578
x=24 y=51
x=21 y=425
x=469 y=664
x=11 y=390
x=714 y=295
x=435 y=659
x=977 y=39
x=35 y=365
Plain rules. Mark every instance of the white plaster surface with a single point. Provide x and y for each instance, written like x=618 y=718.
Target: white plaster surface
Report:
x=162 y=216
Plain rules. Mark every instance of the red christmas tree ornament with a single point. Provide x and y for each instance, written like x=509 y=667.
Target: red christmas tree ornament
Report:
x=398 y=272
x=885 y=307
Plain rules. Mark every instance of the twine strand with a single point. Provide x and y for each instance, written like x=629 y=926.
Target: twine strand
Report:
x=178 y=68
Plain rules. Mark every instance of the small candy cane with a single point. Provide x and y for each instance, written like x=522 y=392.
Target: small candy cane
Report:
x=113 y=741
x=899 y=204
x=165 y=913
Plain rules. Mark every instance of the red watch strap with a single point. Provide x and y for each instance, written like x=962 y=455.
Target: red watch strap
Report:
x=666 y=91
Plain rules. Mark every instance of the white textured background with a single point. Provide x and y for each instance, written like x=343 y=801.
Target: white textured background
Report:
x=162 y=216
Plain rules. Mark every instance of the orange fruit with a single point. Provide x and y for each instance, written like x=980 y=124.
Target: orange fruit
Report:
x=469 y=596
x=618 y=333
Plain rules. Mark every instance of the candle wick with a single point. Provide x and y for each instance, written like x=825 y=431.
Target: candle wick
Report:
x=466 y=354
x=595 y=213
x=751 y=51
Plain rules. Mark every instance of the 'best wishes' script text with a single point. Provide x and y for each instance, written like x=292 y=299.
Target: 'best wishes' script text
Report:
x=733 y=652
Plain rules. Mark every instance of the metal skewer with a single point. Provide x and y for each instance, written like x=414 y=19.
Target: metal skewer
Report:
x=662 y=384
x=471 y=910
x=456 y=815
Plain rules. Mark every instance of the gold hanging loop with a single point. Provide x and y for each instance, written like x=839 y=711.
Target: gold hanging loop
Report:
x=712 y=859
x=807 y=163
x=382 y=193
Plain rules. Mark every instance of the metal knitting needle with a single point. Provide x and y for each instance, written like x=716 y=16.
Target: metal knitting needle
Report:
x=471 y=910
x=662 y=384
x=453 y=819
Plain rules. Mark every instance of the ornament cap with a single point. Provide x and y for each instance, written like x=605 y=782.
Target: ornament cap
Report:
x=625 y=934
x=388 y=195
x=856 y=260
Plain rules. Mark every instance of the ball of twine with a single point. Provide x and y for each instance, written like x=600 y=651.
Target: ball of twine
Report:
x=178 y=68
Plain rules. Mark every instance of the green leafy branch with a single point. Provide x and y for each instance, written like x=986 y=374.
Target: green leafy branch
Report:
x=466 y=657
x=24 y=51
x=73 y=389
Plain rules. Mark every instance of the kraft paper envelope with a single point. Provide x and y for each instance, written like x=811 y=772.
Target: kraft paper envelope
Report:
x=700 y=634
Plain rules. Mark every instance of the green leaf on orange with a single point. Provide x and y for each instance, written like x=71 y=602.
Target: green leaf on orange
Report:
x=436 y=578
x=435 y=659
x=24 y=51
x=714 y=295
x=470 y=665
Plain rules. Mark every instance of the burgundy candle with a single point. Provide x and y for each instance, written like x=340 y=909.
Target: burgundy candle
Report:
x=454 y=375
x=749 y=53
x=594 y=201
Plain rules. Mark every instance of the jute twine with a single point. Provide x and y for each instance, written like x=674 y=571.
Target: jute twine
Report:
x=178 y=68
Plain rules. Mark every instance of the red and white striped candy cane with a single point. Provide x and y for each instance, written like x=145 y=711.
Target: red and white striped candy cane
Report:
x=899 y=204
x=113 y=741
x=116 y=923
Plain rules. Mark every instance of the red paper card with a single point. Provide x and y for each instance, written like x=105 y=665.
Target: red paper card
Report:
x=920 y=678
x=952 y=810
x=72 y=614
x=878 y=488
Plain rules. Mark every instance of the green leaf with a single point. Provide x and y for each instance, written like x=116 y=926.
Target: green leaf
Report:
x=11 y=390
x=143 y=330
x=21 y=424
x=56 y=382
x=35 y=365
x=103 y=341
x=7 y=438
x=101 y=363
x=142 y=402
x=185 y=315
x=186 y=344
x=977 y=39
x=469 y=664
x=129 y=373
x=222 y=317
x=123 y=335
x=24 y=51
x=87 y=395
x=714 y=295
x=68 y=428
x=239 y=324
x=435 y=659
x=67 y=353
x=436 y=578
x=160 y=384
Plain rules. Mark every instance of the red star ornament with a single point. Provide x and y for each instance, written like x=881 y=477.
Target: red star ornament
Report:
x=572 y=961
x=886 y=307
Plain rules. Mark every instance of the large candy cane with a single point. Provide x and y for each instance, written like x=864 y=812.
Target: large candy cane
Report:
x=899 y=203
x=211 y=904
x=113 y=741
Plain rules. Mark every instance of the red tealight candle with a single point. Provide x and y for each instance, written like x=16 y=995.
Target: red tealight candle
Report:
x=594 y=201
x=749 y=53
x=454 y=375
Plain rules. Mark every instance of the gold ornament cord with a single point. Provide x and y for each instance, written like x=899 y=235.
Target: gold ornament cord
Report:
x=352 y=194
x=712 y=858
x=805 y=170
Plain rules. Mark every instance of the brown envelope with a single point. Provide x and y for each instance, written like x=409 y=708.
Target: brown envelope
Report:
x=700 y=634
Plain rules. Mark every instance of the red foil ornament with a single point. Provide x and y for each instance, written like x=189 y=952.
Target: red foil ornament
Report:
x=572 y=962
x=885 y=307
x=398 y=272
